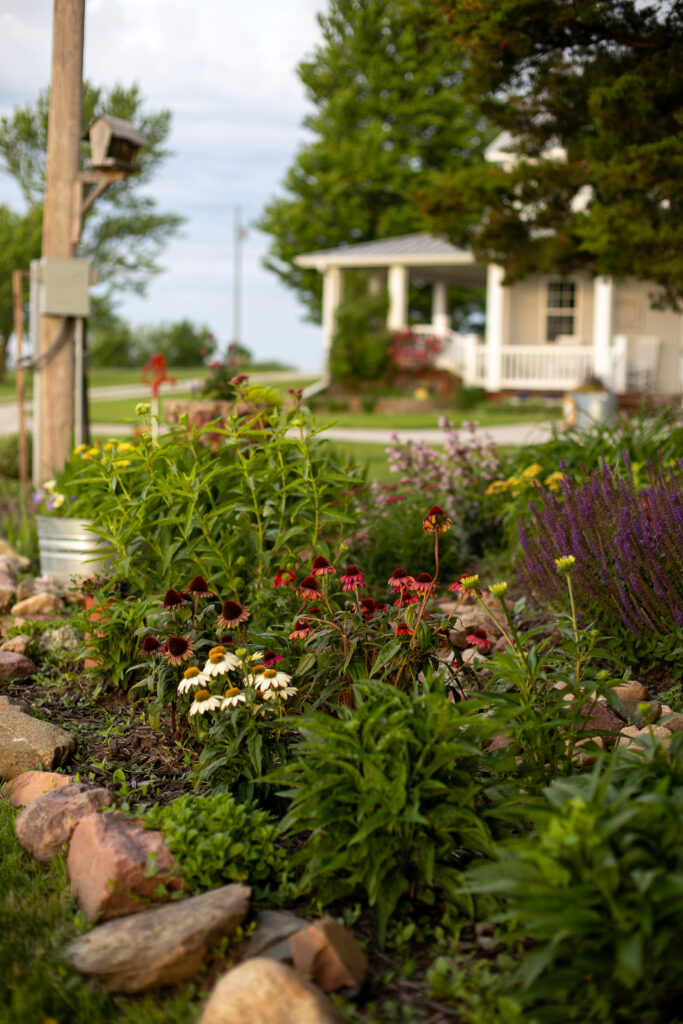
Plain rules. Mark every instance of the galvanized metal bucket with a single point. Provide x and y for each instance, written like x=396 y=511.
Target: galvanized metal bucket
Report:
x=68 y=547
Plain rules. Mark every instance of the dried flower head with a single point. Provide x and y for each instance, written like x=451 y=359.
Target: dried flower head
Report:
x=436 y=521
x=232 y=613
x=302 y=628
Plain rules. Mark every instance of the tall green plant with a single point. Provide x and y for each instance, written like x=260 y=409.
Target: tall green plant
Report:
x=360 y=344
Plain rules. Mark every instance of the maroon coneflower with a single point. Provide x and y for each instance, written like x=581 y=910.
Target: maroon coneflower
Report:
x=308 y=588
x=458 y=588
x=321 y=567
x=394 y=498
x=352 y=578
x=367 y=608
x=232 y=613
x=199 y=587
x=402 y=629
x=150 y=645
x=301 y=629
x=172 y=599
x=436 y=521
x=179 y=649
x=239 y=379
x=270 y=658
x=400 y=580
x=423 y=583
x=313 y=610
x=479 y=638
x=283 y=578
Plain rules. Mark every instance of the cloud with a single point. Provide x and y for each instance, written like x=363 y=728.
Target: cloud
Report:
x=227 y=71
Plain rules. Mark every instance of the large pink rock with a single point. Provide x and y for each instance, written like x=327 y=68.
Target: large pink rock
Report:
x=15 y=666
x=328 y=952
x=47 y=824
x=116 y=867
x=28 y=786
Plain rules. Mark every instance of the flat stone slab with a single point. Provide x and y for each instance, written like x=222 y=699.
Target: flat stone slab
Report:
x=28 y=743
x=262 y=991
x=272 y=933
x=46 y=825
x=15 y=666
x=161 y=946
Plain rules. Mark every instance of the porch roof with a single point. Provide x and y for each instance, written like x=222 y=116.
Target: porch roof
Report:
x=415 y=250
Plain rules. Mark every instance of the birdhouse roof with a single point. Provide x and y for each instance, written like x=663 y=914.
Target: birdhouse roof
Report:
x=122 y=129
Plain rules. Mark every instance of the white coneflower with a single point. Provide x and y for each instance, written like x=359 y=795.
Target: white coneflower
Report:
x=218 y=663
x=271 y=679
x=191 y=677
x=232 y=698
x=203 y=702
x=283 y=693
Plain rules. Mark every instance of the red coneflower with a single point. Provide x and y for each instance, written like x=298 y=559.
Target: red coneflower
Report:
x=436 y=521
x=270 y=658
x=308 y=588
x=172 y=599
x=150 y=645
x=423 y=583
x=232 y=613
x=353 y=577
x=478 y=638
x=402 y=629
x=178 y=649
x=394 y=498
x=301 y=630
x=400 y=580
x=458 y=588
x=239 y=379
x=321 y=567
x=199 y=587
x=367 y=608
x=405 y=599
x=283 y=578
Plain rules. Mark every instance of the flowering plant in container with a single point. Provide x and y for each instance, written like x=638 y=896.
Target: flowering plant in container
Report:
x=78 y=489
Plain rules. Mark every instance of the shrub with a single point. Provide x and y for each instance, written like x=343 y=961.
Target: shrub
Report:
x=217 y=840
x=628 y=546
x=359 y=346
x=388 y=790
x=597 y=890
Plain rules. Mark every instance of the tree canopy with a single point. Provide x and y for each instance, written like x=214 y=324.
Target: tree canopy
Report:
x=599 y=80
x=386 y=90
x=124 y=232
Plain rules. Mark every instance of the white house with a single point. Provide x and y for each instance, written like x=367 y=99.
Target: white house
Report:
x=545 y=333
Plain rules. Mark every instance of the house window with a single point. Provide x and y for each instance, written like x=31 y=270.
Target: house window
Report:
x=561 y=310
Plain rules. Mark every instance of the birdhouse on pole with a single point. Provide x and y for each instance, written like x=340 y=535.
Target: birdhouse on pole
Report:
x=114 y=144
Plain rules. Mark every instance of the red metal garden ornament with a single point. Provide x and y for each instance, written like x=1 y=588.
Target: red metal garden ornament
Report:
x=156 y=370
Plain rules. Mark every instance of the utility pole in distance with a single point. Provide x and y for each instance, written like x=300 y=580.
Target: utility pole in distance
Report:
x=63 y=158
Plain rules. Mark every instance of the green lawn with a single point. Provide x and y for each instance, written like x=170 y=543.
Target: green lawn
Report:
x=485 y=414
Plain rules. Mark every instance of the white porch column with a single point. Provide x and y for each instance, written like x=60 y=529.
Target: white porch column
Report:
x=441 y=321
x=333 y=289
x=495 y=325
x=397 y=283
x=602 y=328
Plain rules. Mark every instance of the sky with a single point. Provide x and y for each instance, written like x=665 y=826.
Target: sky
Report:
x=226 y=70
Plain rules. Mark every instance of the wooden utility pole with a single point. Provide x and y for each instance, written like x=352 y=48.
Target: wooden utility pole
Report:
x=18 y=277
x=63 y=157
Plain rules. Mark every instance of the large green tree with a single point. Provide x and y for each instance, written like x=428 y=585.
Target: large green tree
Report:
x=600 y=80
x=388 y=110
x=124 y=233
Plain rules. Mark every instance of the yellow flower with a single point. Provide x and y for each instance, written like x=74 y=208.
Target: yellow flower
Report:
x=470 y=582
x=498 y=589
x=125 y=448
x=142 y=408
x=553 y=481
x=81 y=448
x=565 y=563
x=50 y=485
x=109 y=445
x=531 y=471
x=91 y=453
x=122 y=462
x=497 y=486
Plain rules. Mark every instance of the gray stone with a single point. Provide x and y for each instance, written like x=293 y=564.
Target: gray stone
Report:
x=15 y=666
x=639 y=712
x=36 y=585
x=47 y=824
x=271 y=935
x=62 y=639
x=162 y=946
x=262 y=991
x=27 y=743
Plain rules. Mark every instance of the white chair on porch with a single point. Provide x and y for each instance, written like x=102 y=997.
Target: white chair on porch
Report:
x=642 y=367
